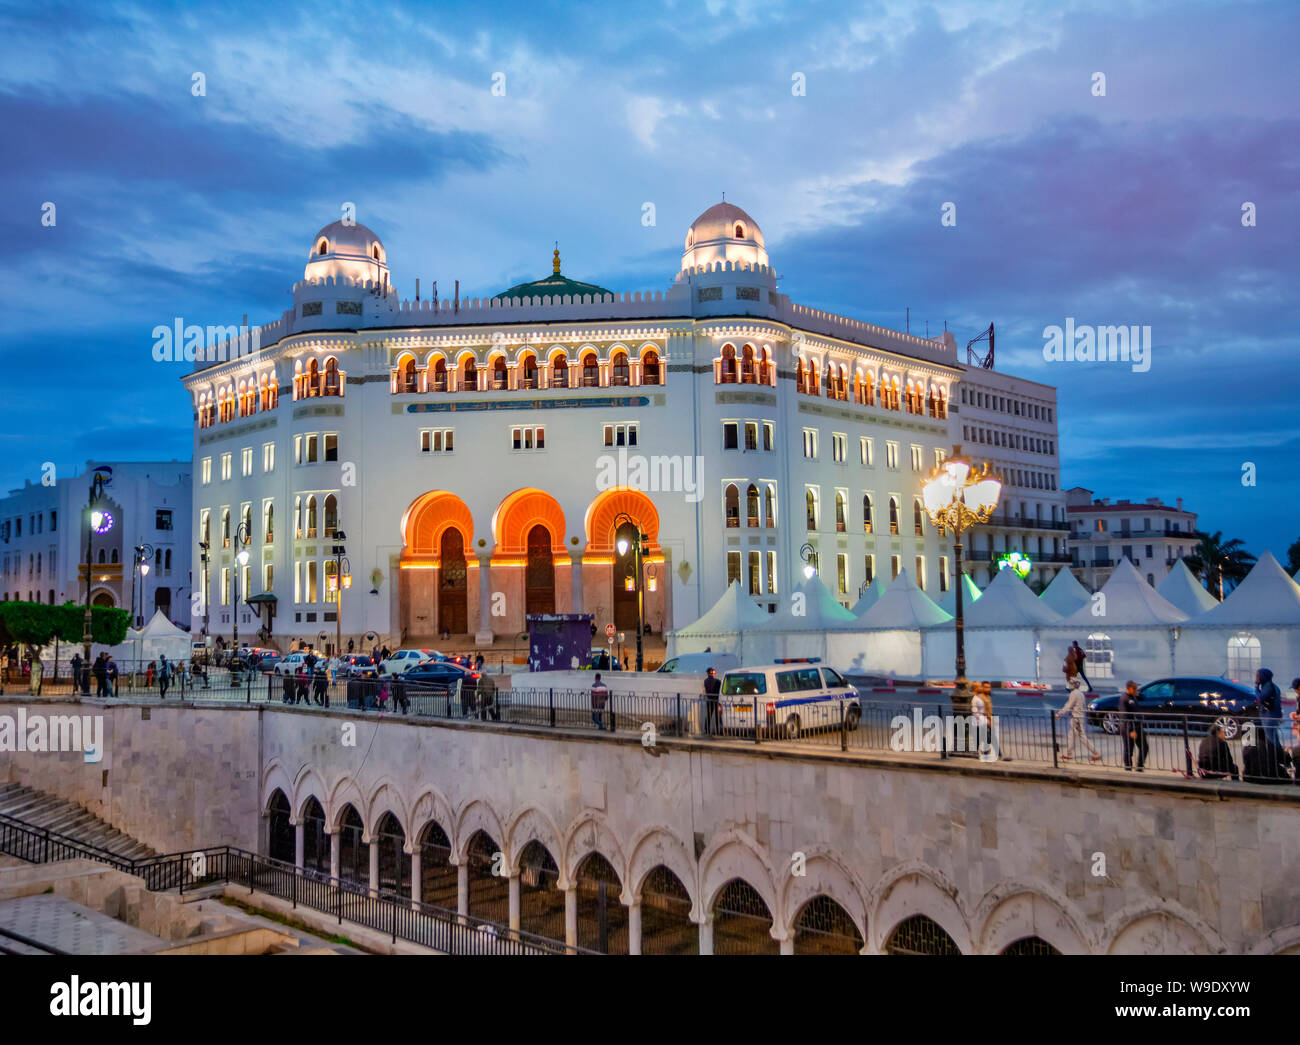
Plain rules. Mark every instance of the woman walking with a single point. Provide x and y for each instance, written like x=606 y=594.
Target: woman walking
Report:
x=1074 y=707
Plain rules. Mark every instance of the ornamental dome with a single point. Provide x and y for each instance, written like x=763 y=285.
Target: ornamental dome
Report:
x=556 y=285
x=348 y=250
x=724 y=232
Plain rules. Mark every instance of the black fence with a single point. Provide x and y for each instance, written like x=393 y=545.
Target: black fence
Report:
x=398 y=917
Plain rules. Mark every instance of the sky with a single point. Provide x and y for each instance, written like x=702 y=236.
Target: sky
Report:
x=192 y=151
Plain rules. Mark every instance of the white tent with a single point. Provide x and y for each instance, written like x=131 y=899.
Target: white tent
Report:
x=1257 y=625
x=721 y=626
x=1002 y=634
x=890 y=640
x=159 y=637
x=903 y=605
x=1007 y=603
x=869 y=597
x=1187 y=593
x=1065 y=594
x=801 y=627
x=969 y=594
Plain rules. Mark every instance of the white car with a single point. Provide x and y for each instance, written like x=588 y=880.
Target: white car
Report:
x=293 y=661
x=405 y=659
x=787 y=699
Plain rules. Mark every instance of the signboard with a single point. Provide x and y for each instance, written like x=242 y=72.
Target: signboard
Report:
x=609 y=631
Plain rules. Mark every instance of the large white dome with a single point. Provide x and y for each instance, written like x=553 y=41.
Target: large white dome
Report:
x=724 y=232
x=349 y=250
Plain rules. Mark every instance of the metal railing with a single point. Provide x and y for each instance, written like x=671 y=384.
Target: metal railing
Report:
x=399 y=917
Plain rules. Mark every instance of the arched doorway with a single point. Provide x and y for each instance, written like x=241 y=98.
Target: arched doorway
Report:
x=437 y=873
x=824 y=927
x=602 y=920
x=539 y=574
x=394 y=864
x=315 y=841
x=625 y=596
x=354 y=854
x=666 y=926
x=453 y=585
x=489 y=888
x=541 y=901
x=1030 y=945
x=742 y=924
x=920 y=935
x=279 y=839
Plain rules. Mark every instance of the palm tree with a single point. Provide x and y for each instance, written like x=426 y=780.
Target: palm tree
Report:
x=1215 y=560
x=1293 y=559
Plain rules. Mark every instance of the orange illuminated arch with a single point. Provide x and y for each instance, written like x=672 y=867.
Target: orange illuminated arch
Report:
x=429 y=517
x=608 y=506
x=518 y=513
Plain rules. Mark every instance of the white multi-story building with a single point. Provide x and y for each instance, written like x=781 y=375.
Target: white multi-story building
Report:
x=1151 y=535
x=44 y=537
x=485 y=456
x=1011 y=422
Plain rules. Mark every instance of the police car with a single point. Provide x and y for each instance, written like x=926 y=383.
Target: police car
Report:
x=787 y=699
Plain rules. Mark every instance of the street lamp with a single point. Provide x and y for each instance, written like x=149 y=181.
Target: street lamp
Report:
x=342 y=579
x=140 y=561
x=99 y=522
x=637 y=544
x=958 y=497
x=243 y=537
x=809 y=556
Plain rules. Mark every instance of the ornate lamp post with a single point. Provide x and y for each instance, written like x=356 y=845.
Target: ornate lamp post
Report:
x=342 y=579
x=98 y=521
x=958 y=497
x=809 y=556
x=242 y=539
x=637 y=543
x=140 y=561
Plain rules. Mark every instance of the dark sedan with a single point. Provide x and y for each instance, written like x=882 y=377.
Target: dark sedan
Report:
x=441 y=678
x=1166 y=702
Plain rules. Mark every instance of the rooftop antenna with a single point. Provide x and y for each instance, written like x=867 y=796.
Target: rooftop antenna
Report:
x=983 y=361
x=909 y=319
x=417 y=288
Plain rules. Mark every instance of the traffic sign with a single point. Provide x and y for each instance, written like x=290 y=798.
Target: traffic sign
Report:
x=609 y=631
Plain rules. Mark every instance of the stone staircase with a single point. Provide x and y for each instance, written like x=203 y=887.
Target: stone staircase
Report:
x=67 y=818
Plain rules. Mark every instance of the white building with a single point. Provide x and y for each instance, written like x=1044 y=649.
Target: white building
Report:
x=483 y=455
x=44 y=530
x=1151 y=535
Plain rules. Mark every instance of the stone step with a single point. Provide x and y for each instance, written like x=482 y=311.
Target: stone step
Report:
x=70 y=819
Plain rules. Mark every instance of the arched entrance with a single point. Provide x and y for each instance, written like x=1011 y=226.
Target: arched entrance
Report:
x=539 y=573
x=920 y=935
x=602 y=919
x=1031 y=945
x=315 y=841
x=437 y=873
x=625 y=595
x=666 y=926
x=394 y=864
x=742 y=924
x=541 y=901
x=489 y=888
x=824 y=927
x=615 y=514
x=279 y=841
x=453 y=584
x=354 y=854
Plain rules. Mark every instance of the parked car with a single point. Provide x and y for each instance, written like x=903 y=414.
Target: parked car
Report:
x=404 y=659
x=353 y=666
x=599 y=660
x=290 y=663
x=699 y=663
x=1166 y=702
x=441 y=679
x=792 y=698
x=264 y=660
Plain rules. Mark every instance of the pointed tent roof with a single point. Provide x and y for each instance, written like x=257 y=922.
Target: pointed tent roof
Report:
x=869 y=597
x=733 y=612
x=1183 y=589
x=903 y=606
x=1065 y=594
x=969 y=594
x=1266 y=596
x=1008 y=603
x=1130 y=601
x=159 y=627
x=821 y=611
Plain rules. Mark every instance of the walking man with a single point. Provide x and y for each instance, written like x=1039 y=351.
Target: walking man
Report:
x=101 y=675
x=712 y=687
x=320 y=687
x=1130 y=721
x=1270 y=705
x=1079 y=658
x=164 y=677
x=599 y=695
x=77 y=686
x=1074 y=707
x=110 y=672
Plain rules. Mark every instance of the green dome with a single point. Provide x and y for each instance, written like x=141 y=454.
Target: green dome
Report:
x=554 y=285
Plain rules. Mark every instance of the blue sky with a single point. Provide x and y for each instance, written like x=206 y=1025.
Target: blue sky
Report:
x=1115 y=209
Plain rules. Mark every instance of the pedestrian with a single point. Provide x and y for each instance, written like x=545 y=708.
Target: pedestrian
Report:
x=1295 y=717
x=385 y=653
x=149 y=673
x=76 y=674
x=300 y=687
x=287 y=688
x=1269 y=698
x=309 y=662
x=1265 y=761
x=350 y=646
x=1215 y=756
x=1079 y=658
x=1074 y=707
x=712 y=687
x=981 y=711
x=164 y=676
x=1133 y=728
x=599 y=695
x=110 y=673
x=400 y=701
x=100 y=671
x=479 y=661
x=320 y=687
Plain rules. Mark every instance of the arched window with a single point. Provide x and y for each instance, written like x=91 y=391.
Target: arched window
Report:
x=225 y=527
x=313 y=378
x=810 y=507
x=297 y=517
x=246 y=518
x=764 y=369
x=407 y=379
x=731 y=496
x=893 y=516
x=113 y=557
x=740 y=231
x=751 y=505
x=439 y=375
x=332 y=384
x=800 y=378
x=268 y=526
x=622 y=373
x=311 y=517
x=499 y=380
x=866 y=513
x=841 y=513
x=167 y=559
x=590 y=371
x=560 y=371
x=769 y=505
x=830 y=381
x=323 y=248
x=727 y=370
x=331 y=515
x=374 y=251
x=103 y=559
x=469 y=375
x=747 y=365
x=650 y=369
x=529 y=371
x=918 y=519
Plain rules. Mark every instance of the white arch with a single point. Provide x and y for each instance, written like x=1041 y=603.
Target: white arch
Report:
x=913 y=888
x=735 y=854
x=826 y=875
x=1012 y=911
x=476 y=816
x=529 y=825
x=1159 y=927
x=657 y=845
x=591 y=833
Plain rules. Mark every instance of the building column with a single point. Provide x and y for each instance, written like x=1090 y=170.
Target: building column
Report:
x=299 y=843
x=483 y=637
x=514 y=902
x=575 y=581
x=373 y=850
x=336 y=847
x=634 y=928
x=417 y=887
x=787 y=945
x=571 y=916
x=462 y=889
x=706 y=935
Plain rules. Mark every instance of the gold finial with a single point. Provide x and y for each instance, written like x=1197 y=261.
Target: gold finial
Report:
x=555 y=265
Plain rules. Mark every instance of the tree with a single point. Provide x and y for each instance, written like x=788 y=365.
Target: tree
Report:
x=1293 y=559
x=107 y=624
x=1216 y=560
